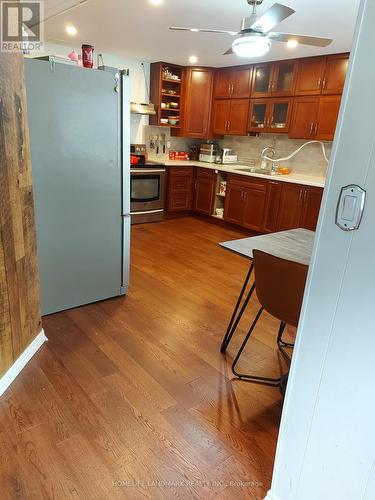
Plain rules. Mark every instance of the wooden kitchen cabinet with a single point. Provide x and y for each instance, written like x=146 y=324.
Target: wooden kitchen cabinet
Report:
x=304 y=117
x=328 y=112
x=271 y=211
x=335 y=73
x=299 y=207
x=312 y=202
x=230 y=116
x=234 y=206
x=315 y=117
x=270 y=115
x=273 y=79
x=197 y=107
x=255 y=202
x=204 y=191
x=233 y=83
x=180 y=189
x=321 y=75
x=310 y=76
x=291 y=206
x=245 y=202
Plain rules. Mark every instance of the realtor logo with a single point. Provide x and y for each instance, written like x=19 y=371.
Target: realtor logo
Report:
x=21 y=27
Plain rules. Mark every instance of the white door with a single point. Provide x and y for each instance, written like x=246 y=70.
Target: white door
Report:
x=326 y=447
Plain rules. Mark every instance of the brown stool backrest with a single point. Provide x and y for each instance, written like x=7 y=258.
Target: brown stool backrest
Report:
x=280 y=285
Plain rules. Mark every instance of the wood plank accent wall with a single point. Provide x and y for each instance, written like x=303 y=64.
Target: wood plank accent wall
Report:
x=20 y=319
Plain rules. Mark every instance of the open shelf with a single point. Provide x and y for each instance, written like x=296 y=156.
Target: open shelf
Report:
x=221 y=195
x=177 y=96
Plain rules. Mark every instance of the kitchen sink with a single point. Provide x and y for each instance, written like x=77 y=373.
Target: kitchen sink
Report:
x=254 y=171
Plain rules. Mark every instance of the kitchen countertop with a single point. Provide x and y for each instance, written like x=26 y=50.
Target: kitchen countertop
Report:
x=294 y=178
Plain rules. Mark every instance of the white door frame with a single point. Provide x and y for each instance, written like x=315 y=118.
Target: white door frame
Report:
x=326 y=445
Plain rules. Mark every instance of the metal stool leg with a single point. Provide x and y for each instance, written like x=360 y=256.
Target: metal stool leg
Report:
x=233 y=323
x=274 y=382
x=281 y=344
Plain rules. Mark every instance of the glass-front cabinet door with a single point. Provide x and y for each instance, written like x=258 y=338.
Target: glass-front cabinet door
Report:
x=283 y=78
x=279 y=115
x=258 y=116
x=262 y=80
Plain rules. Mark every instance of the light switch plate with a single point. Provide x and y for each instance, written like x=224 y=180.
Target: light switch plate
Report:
x=350 y=207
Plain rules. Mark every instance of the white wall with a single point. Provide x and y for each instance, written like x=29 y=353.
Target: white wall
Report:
x=138 y=86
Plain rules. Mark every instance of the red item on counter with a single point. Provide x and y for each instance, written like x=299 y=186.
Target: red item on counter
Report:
x=134 y=160
x=88 y=56
x=179 y=155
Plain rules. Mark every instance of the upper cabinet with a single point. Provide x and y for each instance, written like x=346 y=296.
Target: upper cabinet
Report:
x=315 y=117
x=273 y=79
x=197 y=107
x=230 y=116
x=335 y=73
x=233 y=83
x=321 y=75
x=270 y=115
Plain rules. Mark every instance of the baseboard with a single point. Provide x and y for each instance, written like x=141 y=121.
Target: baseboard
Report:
x=21 y=362
x=271 y=496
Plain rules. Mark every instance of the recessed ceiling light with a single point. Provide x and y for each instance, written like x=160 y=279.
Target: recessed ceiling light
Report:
x=156 y=2
x=193 y=59
x=71 y=30
x=292 y=44
x=194 y=30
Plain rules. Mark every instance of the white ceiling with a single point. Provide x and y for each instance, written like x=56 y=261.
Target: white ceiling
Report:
x=138 y=30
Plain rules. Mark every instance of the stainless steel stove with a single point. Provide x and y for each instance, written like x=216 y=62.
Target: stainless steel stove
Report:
x=147 y=187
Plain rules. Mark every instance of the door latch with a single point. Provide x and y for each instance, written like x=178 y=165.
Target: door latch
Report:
x=350 y=207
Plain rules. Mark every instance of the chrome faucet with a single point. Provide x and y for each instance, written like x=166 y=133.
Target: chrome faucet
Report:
x=264 y=165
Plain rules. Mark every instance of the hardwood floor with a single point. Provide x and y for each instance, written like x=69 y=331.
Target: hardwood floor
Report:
x=130 y=398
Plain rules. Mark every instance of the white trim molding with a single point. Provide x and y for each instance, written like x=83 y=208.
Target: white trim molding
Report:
x=21 y=362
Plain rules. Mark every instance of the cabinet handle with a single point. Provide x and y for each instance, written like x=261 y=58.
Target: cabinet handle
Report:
x=228 y=125
x=232 y=89
x=300 y=194
x=244 y=195
x=319 y=83
x=312 y=128
x=316 y=129
x=305 y=196
x=324 y=83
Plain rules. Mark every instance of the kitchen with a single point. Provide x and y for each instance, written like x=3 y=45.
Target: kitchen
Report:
x=203 y=153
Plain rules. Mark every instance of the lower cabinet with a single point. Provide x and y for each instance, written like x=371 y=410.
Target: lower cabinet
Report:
x=204 y=191
x=180 y=189
x=245 y=202
x=271 y=212
x=299 y=207
x=261 y=205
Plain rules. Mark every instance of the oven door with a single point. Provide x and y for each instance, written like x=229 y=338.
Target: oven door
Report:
x=147 y=186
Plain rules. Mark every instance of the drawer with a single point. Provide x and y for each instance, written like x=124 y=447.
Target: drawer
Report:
x=205 y=173
x=179 y=183
x=247 y=182
x=178 y=171
x=178 y=202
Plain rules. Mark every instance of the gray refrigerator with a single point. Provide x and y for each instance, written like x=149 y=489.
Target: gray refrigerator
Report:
x=79 y=123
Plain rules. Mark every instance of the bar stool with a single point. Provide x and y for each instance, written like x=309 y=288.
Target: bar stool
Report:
x=279 y=285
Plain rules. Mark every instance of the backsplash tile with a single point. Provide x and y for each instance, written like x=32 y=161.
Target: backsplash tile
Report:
x=309 y=161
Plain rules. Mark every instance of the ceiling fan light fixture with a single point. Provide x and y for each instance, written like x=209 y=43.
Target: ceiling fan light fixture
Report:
x=253 y=45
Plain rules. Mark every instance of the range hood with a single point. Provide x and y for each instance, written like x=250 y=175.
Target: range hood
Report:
x=141 y=108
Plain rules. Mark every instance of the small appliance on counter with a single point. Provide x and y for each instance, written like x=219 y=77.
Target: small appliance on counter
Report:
x=227 y=156
x=208 y=153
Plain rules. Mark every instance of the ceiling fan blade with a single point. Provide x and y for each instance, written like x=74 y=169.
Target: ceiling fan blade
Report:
x=204 y=30
x=302 y=39
x=272 y=17
x=228 y=52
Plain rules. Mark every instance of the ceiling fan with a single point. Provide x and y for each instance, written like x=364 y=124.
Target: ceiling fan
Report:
x=255 y=37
